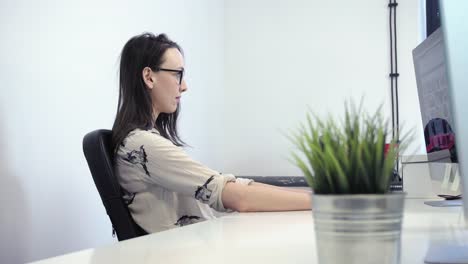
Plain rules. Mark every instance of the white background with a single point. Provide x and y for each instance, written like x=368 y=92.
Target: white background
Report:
x=253 y=69
x=283 y=57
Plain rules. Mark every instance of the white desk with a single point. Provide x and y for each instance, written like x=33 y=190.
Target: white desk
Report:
x=286 y=237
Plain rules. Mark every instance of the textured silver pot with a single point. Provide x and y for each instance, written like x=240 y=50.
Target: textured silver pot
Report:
x=358 y=228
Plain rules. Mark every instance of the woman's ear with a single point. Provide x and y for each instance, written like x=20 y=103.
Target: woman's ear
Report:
x=148 y=77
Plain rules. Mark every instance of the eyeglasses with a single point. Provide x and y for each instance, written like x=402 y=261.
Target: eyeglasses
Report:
x=180 y=73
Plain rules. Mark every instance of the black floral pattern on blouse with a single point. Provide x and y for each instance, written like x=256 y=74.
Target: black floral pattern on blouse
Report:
x=138 y=157
x=187 y=220
x=128 y=198
x=203 y=193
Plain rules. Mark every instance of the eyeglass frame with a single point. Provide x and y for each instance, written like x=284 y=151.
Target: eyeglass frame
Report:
x=180 y=72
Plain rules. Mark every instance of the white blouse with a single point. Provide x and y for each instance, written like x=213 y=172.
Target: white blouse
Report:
x=164 y=188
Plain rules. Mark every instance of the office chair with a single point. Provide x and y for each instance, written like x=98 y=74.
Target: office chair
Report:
x=96 y=148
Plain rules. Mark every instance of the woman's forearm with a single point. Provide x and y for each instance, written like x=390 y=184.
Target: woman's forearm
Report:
x=258 y=198
x=289 y=189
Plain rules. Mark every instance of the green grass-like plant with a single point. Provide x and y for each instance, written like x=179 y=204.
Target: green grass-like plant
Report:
x=346 y=159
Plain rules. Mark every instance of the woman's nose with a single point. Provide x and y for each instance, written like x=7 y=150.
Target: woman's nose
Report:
x=183 y=86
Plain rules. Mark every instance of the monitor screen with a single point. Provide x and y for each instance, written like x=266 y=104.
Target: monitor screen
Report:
x=434 y=99
x=430 y=65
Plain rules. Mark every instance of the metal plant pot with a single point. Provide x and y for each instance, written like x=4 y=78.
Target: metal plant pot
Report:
x=358 y=228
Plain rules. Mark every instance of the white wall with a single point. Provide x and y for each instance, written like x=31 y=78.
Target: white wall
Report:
x=58 y=73
x=282 y=56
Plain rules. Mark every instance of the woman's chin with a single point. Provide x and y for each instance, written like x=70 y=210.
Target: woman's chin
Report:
x=170 y=111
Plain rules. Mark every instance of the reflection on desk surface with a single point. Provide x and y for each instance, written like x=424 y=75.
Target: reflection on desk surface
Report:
x=276 y=237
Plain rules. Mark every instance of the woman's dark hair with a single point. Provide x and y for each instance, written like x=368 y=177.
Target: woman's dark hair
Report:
x=135 y=108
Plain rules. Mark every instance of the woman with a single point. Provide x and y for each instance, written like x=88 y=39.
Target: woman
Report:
x=164 y=188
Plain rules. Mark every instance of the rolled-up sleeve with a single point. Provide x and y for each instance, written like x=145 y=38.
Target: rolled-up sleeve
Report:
x=161 y=162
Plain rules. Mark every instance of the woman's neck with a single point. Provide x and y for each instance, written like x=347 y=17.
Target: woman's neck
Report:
x=155 y=114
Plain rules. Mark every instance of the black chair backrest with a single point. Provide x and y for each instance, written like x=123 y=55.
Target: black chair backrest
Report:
x=99 y=155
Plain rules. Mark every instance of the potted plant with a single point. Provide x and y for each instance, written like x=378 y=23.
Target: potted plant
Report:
x=357 y=219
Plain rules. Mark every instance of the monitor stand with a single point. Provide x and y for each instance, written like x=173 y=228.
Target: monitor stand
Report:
x=448 y=253
x=450 y=182
x=449 y=249
x=444 y=203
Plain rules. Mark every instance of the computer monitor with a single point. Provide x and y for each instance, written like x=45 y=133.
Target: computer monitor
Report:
x=448 y=59
x=434 y=99
x=455 y=32
x=430 y=67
